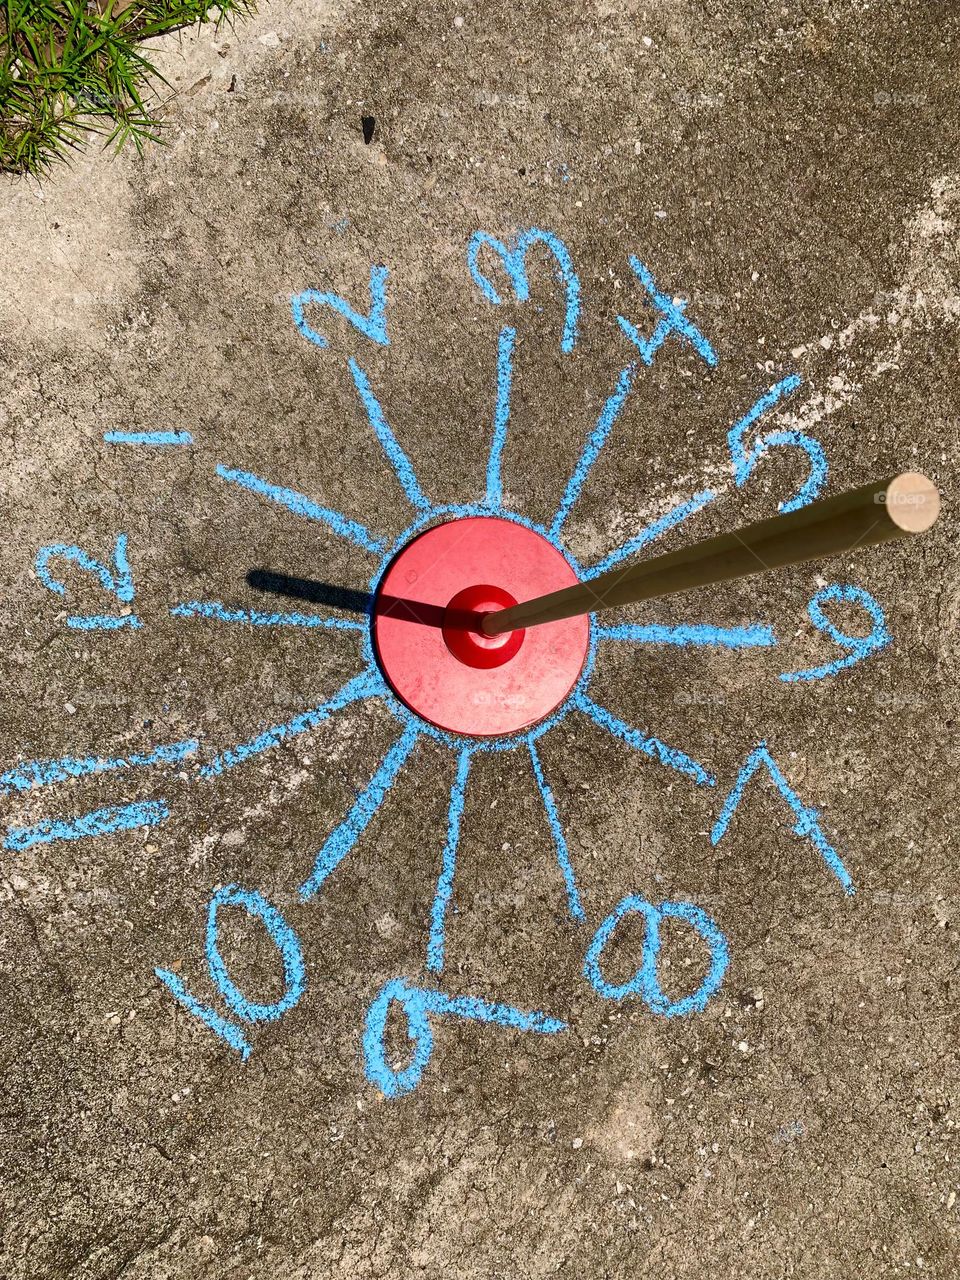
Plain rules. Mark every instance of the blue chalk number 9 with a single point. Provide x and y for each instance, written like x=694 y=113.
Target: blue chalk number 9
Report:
x=857 y=647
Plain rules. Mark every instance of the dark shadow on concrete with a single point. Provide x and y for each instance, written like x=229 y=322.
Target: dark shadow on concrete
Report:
x=348 y=600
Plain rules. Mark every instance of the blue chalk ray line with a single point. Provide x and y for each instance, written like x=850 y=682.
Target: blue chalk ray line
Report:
x=669 y=520
x=474 y=1009
x=444 y=890
x=807 y=819
x=342 y=839
x=365 y=685
x=101 y=822
x=756 y=636
x=373 y=326
x=501 y=416
x=300 y=505
x=608 y=415
x=395 y=455
x=217 y=611
x=560 y=843
x=653 y=747
x=157 y=438
x=46 y=773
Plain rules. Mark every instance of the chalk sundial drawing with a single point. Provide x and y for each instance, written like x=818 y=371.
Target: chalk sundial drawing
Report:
x=497 y=269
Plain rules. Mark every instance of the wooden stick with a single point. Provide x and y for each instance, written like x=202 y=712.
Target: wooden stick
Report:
x=903 y=505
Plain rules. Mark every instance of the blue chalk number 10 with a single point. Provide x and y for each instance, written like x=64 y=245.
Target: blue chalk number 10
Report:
x=294 y=974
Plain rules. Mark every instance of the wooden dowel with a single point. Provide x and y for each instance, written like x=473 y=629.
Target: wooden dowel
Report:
x=894 y=508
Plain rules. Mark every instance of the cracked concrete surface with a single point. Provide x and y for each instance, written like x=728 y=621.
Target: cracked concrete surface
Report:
x=791 y=171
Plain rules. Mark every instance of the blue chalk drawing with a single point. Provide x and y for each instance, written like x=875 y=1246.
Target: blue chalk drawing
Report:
x=365 y=685
x=559 y=840
x=698 y=634
x=227 y=1031
x=650 y=746
x=283 y=937
x=673 y=321
x=101 y=822
x=858 y=647
x=441 y=900
x=675 y=516
x=104 y=622
x=807 y=820
x=291 y=956
x=395 y=455
x=160 y=439
x=372 y=326
x=505 y=345
x=341 y=840
x=419 y=1006
x=302 y=506
x=645 y=983
x=608 y=415
x=119 y=584
x=218 y=612
x=47 y=773
x=745 y=461
x=513 y=258
x=817 y=478
x=742 y=464
x=116 y=582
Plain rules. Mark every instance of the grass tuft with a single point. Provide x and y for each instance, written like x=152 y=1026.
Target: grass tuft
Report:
x=71 y=68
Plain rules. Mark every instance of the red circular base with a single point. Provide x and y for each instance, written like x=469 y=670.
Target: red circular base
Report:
x=426 y=628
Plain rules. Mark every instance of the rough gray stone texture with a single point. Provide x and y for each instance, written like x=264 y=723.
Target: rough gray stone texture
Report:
x=792 y=171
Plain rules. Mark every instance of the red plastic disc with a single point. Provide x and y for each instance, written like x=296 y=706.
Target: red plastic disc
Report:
x=427 y=640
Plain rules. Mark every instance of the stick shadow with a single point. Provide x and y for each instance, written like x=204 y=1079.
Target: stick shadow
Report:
x=348 y=600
